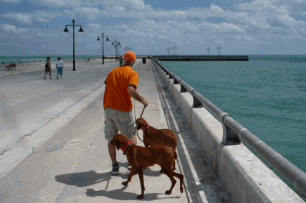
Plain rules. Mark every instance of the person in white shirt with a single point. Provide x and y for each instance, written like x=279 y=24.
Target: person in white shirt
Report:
x=59 y=67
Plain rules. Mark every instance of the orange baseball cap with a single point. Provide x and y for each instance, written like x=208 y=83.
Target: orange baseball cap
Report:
x=129 y=56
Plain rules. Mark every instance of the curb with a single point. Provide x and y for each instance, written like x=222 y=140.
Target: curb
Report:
x=155 y=73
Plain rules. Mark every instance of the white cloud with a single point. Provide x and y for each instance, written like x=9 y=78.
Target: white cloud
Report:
x=91 y=13
x=60 y=3
x=11 y=1
x=11 y=29
x=258 y=23
x=28 y=18
x=22 y=18
x=94 y=25
x=216 y=8
x=225 y=27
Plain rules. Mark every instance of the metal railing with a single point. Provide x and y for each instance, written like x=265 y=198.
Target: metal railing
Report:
x=233 y=131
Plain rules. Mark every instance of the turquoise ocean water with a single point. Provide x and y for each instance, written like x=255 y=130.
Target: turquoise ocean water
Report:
x=267 y=95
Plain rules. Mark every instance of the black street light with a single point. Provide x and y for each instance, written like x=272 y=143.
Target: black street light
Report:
x=66 y=30
x=116 y=47
x=169 y=50
x=103 y=45
x=174 y=48
x=127 y=48
x=219 y=49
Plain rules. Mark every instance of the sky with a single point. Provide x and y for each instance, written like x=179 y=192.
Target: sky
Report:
x=239 y=27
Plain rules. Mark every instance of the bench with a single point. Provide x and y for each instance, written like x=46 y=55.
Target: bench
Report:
x=11 y=66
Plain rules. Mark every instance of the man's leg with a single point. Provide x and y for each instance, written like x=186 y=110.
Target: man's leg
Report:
x=125 y=123
x=110 y=129
x=112 y=152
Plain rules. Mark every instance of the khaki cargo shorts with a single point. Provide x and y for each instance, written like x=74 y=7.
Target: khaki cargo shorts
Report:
x=118 y=120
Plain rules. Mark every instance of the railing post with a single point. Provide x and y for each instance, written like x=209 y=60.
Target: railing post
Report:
x=229 y=136
x=196 y=102
x=183 y=89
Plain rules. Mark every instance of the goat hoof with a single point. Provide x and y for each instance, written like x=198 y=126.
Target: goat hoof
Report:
x=168 y=192
x=181 y=190
x=140 y=196
x=125 y=183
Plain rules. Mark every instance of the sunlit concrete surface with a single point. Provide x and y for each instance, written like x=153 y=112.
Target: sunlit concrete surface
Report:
x=64 y=157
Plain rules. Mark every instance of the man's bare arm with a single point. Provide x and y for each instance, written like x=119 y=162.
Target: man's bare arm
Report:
x=132 y=91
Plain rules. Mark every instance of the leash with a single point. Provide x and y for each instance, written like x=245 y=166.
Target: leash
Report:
x=129 y=142
x=135 y=121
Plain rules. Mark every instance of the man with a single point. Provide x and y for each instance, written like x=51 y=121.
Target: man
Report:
x=48 y=67
x=121 y=84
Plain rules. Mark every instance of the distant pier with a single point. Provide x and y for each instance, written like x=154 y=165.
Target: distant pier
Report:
x=201 y=58
x=192 y=57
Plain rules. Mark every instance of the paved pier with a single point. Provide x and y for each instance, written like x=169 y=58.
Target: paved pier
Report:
x=65 y=159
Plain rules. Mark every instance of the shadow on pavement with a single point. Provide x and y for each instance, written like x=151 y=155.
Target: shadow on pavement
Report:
x=84 y=179
x=119 y=194
x=88 y=178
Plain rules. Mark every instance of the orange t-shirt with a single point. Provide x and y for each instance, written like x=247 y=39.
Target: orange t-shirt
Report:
x=116 y=95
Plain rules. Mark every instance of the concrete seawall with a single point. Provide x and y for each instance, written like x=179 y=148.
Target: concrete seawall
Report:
x=244 y=177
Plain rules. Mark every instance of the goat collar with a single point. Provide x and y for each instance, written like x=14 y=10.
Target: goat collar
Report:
x=147 y=125
x=130 y=140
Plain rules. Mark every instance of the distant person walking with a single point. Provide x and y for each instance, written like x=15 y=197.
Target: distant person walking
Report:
x=121 y=84
x=48 y=67
x=59 y=67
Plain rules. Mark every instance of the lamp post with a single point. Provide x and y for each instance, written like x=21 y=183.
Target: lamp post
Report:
x=174 y=49
x=127 y=48
x=116 y=47
x=169 y=50
x=208 y=50
x=103 y=45
x=219 y=49
x=66 y=30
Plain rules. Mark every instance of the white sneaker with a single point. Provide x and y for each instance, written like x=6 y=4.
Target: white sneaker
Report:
x=115 y=170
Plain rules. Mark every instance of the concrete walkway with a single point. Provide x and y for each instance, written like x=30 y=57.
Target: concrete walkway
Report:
x=39 y=66
x=73 y=165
